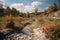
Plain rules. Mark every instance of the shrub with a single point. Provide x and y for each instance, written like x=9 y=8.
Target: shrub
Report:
x=52 y=30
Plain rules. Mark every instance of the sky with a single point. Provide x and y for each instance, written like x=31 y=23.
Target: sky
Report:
x=29 y=5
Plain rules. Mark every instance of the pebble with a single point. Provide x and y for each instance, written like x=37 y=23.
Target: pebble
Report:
x=37 y=35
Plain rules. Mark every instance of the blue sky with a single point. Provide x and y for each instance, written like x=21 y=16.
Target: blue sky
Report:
x=29 y=5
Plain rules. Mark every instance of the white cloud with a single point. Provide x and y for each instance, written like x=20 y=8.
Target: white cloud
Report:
x=25 y=8
x=18 y=6
x=29 y=8
x=2 y=0
x=35 y=3
x=46 y=8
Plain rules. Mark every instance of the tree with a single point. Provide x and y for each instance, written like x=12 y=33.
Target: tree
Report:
x=17 y=13
x=1 y=9
x=45 y=12
x=7 y=11
x=28 y=15
x=36 y=10
x=59 y=6
x=52 y=8
x=55 y=7
x=13 y=11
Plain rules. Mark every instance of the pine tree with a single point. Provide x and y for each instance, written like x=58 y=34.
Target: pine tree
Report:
x=55 y=7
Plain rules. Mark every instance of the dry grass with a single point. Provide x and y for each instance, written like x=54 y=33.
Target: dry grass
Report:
x=6 y=19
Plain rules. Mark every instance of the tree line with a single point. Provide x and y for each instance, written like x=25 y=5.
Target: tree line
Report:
x=52 y=8
x=14 y=12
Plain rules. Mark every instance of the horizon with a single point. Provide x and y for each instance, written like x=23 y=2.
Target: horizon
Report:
x=29 y=6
